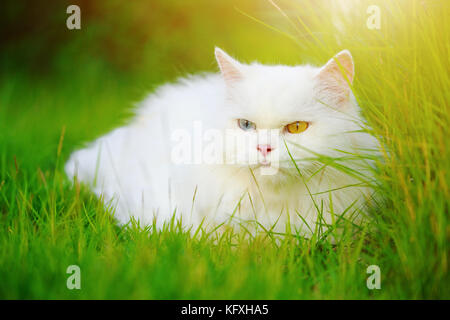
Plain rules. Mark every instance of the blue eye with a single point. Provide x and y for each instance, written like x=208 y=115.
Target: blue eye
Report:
x=246 y=125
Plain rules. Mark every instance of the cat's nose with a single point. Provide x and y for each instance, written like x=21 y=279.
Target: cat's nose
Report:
x=264 y=149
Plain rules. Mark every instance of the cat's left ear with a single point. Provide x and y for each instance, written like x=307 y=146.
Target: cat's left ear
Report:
x=336 y=76
x=229 y=67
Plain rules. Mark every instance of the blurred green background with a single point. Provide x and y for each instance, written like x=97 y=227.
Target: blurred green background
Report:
x=132 y=37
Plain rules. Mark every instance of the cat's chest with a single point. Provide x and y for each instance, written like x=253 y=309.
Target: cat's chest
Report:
x=250 y=199
x=222 y=194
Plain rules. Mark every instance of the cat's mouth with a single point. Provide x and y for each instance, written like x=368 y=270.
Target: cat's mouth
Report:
x=261 y=164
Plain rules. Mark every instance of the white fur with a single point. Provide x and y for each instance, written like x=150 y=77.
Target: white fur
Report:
x=132 y=165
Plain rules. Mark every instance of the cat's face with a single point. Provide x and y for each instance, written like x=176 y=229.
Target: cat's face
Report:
x=279 y=114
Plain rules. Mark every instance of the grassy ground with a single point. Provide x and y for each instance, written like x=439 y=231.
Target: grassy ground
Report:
x=402 y=84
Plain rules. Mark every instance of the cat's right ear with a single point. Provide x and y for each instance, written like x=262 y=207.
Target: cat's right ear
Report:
x=229 y=67
x=334 y=79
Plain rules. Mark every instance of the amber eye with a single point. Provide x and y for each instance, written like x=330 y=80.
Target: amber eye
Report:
x=246 y=125
x=297 y=127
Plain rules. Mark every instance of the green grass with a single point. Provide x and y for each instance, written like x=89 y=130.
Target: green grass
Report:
x=402 y=84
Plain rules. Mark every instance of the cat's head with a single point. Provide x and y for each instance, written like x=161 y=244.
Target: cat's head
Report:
x=286 y=113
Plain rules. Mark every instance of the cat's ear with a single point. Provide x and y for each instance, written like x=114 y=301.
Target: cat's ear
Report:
x=340 y=68
x=336 y=76
x=230 y=68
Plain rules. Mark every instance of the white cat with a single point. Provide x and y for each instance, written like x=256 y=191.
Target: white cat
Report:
x=190 y=150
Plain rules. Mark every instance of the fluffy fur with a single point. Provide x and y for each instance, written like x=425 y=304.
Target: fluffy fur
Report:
x=135 y=167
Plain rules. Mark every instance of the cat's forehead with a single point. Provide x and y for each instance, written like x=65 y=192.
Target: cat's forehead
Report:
x=279 y=72
x=276 y=94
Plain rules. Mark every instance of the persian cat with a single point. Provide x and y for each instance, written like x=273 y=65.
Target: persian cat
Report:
x=268 y=147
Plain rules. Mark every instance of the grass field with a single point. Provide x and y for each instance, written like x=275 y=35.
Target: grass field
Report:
x=402 y=84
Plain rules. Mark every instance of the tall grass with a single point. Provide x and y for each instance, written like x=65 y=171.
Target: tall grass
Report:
x=402 y=84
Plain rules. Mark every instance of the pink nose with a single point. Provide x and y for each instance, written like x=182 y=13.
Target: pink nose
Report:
x=264 y=149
